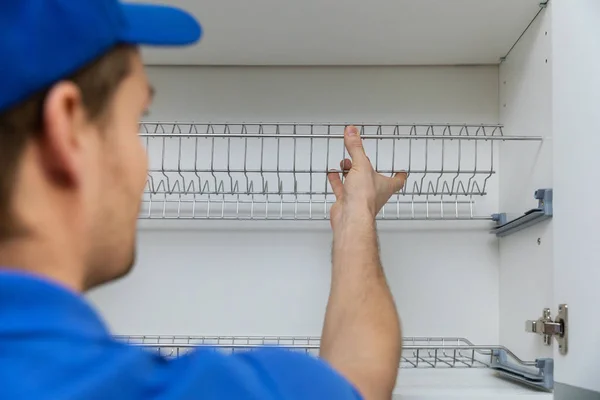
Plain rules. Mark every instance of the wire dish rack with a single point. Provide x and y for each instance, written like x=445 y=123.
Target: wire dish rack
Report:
x=418 y=352
x=278 y=171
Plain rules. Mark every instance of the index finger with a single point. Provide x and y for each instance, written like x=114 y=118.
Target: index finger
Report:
x=354 y=145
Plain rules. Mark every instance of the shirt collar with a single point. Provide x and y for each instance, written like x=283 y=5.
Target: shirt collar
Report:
x=31 y=304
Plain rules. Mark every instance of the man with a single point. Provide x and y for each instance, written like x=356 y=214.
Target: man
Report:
x=72 y=170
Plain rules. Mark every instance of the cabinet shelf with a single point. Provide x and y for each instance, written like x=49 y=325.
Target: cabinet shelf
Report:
x=418 y=352
x=279 y=170
x=424 y=32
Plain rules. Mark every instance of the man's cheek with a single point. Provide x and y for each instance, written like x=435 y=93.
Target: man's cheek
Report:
x=141 y=167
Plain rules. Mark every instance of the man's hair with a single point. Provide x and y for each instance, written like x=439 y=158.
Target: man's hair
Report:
x=97 y=81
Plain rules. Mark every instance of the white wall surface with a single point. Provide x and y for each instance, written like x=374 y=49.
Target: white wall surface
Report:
x=576 y=106
x=275 y=282
x=296 y=94
x=272 y=278
x=526 y=267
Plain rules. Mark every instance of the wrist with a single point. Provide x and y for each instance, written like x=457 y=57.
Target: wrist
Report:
x=355 y=223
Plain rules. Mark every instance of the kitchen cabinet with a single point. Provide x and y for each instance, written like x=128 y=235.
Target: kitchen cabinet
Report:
x=482 y=102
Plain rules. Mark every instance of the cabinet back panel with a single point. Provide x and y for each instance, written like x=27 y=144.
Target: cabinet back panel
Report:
x=275 y=281
x=248 y=277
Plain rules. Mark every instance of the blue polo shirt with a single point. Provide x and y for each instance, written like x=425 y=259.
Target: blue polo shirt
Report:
x=54 y=346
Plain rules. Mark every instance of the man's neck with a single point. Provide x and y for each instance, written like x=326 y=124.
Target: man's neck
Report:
x=44 y=259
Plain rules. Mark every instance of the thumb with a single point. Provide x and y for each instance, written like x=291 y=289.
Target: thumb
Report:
x=354 y=145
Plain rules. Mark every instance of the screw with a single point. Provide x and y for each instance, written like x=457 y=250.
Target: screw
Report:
x=547 y=314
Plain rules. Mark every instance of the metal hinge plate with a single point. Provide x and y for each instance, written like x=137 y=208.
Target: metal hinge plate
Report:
x=552 y=328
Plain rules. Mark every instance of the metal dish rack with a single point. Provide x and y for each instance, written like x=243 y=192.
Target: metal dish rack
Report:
x=418 y=352
x=278 y=171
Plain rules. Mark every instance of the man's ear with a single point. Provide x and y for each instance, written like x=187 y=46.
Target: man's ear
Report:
x=64 y=120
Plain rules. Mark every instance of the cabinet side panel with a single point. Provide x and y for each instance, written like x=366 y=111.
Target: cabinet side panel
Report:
x=240 y=278
x=576 y=110
x=526 y=256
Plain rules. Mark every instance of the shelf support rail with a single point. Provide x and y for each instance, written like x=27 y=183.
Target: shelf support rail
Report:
x=534 y=216
x=542 y=379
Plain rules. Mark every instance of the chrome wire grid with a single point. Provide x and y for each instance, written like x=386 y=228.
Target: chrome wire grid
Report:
x=279 y=171
x=418 y=352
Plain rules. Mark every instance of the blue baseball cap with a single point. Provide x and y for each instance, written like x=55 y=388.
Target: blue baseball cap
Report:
x=44 y=41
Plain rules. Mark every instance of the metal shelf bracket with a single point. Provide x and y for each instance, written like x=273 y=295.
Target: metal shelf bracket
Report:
x=531 y=217
x=542 y=379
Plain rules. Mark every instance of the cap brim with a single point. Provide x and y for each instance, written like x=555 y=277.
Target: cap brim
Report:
x=156 y=25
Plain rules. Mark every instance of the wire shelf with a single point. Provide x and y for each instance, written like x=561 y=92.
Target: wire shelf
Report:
x=418 y=352
x=279 y=171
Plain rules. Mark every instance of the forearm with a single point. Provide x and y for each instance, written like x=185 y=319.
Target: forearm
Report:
x=361 y=335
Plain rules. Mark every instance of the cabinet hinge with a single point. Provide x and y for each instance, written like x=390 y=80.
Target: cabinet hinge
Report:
x=549 y=328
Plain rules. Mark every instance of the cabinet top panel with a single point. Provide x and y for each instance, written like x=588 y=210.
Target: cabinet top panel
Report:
x=350 y=32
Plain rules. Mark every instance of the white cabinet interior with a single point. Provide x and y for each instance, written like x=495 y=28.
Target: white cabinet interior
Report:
x=461 y=132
